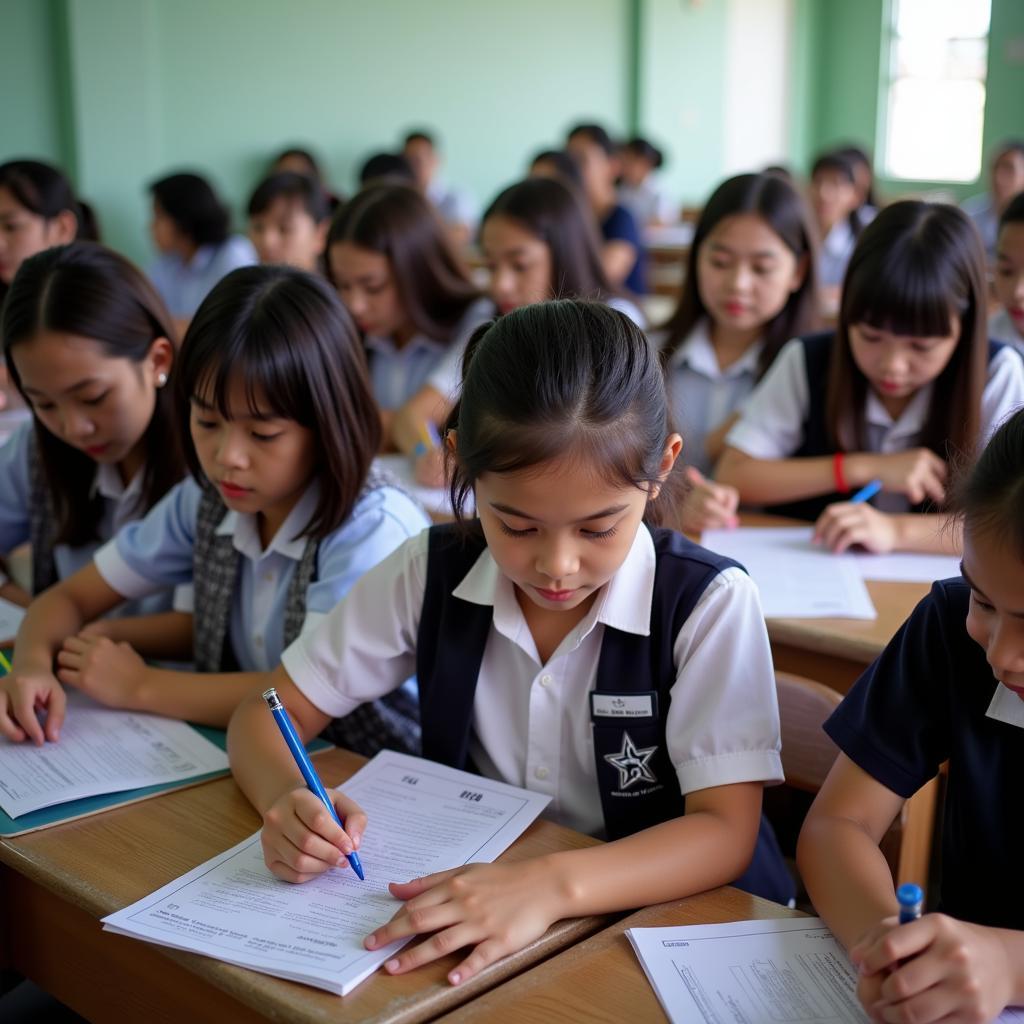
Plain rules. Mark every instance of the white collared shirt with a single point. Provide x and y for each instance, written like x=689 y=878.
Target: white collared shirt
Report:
x=531 y=721
x=772 y=424
x=1002 y=328
x=158 y=550
x=703 y=395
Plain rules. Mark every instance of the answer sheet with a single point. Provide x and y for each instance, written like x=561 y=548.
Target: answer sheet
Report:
x=101 y=750
x=423 y=818
x=786 y=971
x=796 y=580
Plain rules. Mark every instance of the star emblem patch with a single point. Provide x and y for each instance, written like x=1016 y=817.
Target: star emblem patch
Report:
x=632 y=763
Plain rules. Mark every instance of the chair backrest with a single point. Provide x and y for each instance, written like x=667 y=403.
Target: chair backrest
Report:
x=807 y=751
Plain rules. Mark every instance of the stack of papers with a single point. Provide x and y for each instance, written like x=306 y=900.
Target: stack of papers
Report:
x=423 y=818
x=756 y=972
x=102 y=751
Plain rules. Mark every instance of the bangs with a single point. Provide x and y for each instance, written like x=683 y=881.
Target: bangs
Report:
x=271 y=377
x=906 y=293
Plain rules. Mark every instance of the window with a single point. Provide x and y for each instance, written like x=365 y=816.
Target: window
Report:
x=938 y=57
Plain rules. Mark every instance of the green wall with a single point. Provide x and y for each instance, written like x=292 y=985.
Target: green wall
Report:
x=120 y=91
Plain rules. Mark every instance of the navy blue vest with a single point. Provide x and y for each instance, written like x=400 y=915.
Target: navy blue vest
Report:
x=817 y=358
x=635 y=776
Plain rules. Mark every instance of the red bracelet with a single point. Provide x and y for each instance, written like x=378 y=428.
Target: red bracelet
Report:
x=837 y=471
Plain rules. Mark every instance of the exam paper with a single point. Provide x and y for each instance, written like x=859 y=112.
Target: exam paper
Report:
x=101 y=751
x=754 y=972
x=907 y=567
x=436 y=500
x=795 y=578
x=423 y=818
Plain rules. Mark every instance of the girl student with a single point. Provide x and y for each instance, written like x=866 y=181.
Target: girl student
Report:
x=288 y=221
x=1007 y=324
x=837 y=205
x=522 y=627
x=539 y=243
x=949 y=687
x=907 y=381
x=393 y=266
x=282 y=433
x=749 y=287
x=90 y=347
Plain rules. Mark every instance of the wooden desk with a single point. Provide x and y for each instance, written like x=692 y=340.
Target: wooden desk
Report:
x=56 y=884
x=601 y=979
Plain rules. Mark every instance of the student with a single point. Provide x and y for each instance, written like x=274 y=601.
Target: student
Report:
x=1008 y=323
x=907 y=382
x=864 y=180
x=948 y=688
x=1006 y=180
x=190 y=231
x=301 y=161
x=283 y=431
x=517 y=623
x=539 y=242
x=386 y=168
x=835 y=200
x=623 y=254
x=556 y=163
x=638 y=191
x=749 y=286
x=90 y=346
x=454 y=206
x=413 y=301
x=288 y=220
x=38 y=210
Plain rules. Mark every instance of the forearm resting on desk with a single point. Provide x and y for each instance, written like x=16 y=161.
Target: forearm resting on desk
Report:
x=165 y=635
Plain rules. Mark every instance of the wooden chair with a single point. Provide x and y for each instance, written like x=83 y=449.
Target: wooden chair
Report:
x=808 y=754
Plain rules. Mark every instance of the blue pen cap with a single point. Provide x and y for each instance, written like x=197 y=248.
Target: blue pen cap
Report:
x=910 y=898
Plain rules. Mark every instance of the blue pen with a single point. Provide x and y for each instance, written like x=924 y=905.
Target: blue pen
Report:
x=911 y=901
x=309 y=775
x=867 y=492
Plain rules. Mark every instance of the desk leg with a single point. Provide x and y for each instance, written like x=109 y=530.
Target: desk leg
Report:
x=103 y=977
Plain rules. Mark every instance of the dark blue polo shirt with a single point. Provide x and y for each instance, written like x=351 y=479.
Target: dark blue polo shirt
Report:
x=619 y=226
x=924 y=701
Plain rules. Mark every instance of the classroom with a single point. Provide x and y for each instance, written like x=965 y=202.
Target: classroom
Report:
x=511 y=512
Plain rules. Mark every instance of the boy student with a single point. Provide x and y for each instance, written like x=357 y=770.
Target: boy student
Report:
x=455 y=207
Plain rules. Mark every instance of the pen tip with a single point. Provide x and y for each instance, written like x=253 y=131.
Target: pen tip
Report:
x=358 y=868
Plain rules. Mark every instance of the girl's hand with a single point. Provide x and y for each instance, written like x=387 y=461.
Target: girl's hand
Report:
x=112 y=673
x=24 y=693
x=918 y=473
x=429 y=468
x=707 y=505
x=936 y=968
x=496 y=908
x=95 y=629
x=300 y=838
x=844 y=524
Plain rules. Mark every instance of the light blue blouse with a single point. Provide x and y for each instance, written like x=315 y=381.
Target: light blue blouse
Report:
x=157 y=551
x=183 y=286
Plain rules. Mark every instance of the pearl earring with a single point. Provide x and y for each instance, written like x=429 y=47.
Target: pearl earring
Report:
x=161 y=379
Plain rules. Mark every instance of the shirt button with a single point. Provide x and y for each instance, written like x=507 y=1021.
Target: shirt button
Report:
x=546 y=680
x=259 y=641
x=541 y=772
x=268 y=577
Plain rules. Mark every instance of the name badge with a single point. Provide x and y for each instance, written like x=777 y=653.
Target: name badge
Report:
x=1006 y=707
x=623 y=705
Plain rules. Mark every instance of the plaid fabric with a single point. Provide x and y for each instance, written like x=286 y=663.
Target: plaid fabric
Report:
x=42 y=523
x=390 y=723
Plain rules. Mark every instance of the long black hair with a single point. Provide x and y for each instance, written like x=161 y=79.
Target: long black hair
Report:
x=778 y=204
x=286 y=336
x=557 y=379
x=91 y=291
x=197 y=211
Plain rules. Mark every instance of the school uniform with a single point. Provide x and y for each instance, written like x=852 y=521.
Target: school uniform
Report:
x=184 y=284
x=619 y=225
x=982 y=211
x=704 y=395
x=647 y=203
x=247 y=605
x=26 y=514
x=664 y=688
x=1002 y=328
x=929 y=698
x=396 y=374
x=446 y=378
x=785 y=416
x=454 y=206
x=838 y=245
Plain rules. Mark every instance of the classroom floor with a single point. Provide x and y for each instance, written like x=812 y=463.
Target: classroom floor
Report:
x=28 y=1004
